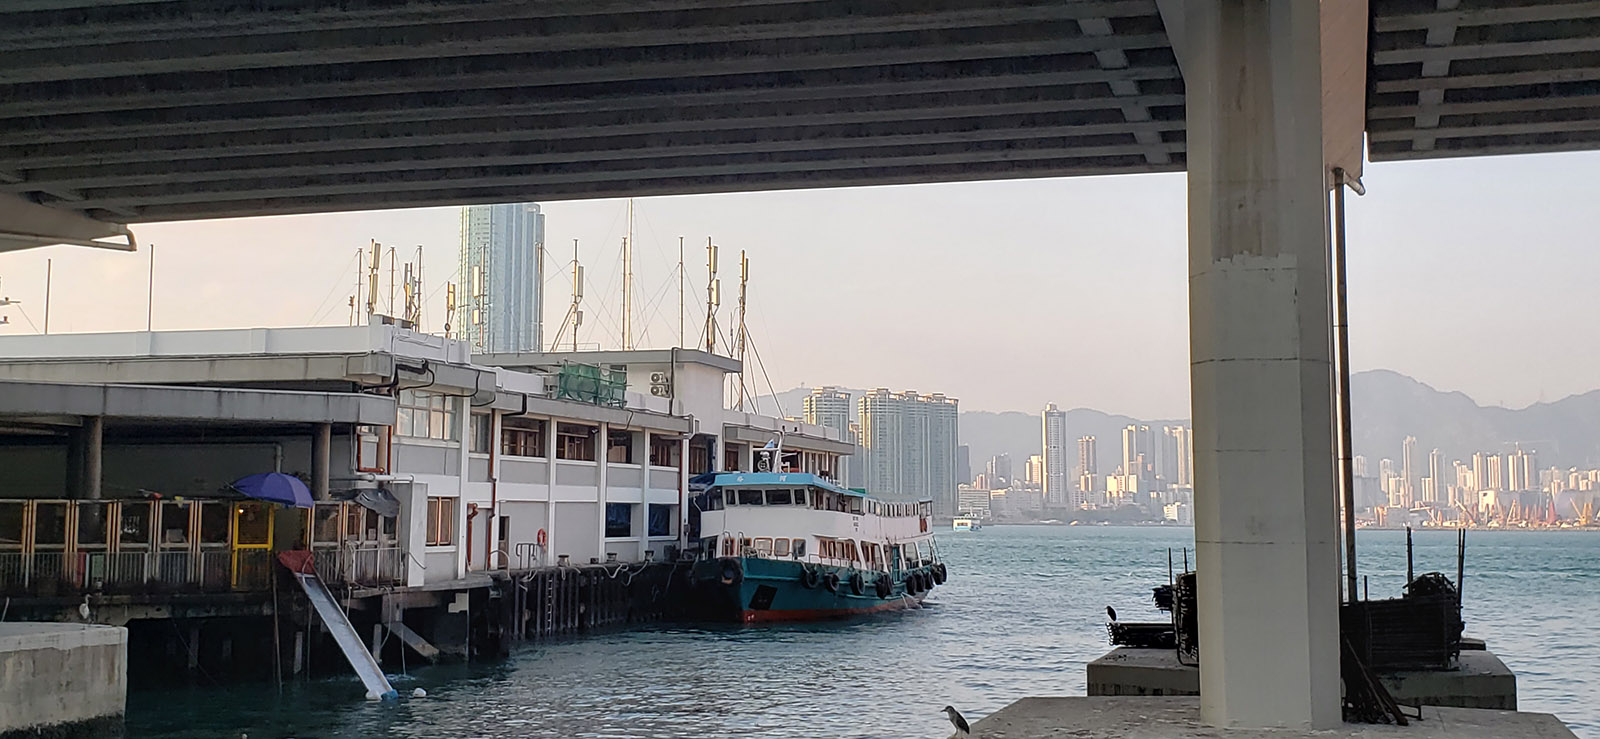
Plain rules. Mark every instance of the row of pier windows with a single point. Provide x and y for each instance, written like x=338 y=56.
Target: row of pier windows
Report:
x=525 y=437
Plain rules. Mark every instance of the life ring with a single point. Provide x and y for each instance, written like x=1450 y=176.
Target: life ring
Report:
x=858 y=584
x=732 y=572
x=884 y=586
x=939 y=574
x=809 y=579
x=542 y=538
x=831 y=582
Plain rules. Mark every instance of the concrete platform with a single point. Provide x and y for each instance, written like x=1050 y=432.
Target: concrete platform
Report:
x=1481 y=681
x=1108 y=717
x=61 y=680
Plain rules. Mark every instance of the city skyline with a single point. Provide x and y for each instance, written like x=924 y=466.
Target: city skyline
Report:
x=298 y=270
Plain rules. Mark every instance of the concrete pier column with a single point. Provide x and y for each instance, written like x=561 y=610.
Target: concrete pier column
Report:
x=1259 y=314
x=321 y=459
x=94 y=429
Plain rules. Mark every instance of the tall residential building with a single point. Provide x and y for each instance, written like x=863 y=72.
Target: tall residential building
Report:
x=502 y=268
x=999 y=467
x=964 y=464
x=1138 y=454
x=1359 y=465
x=909 y=445
x=830 y=407
x=1173 y=462
x=1088 y=469
x=1034 y=471
x=1522 y=470
x=1410 y=470
x=1056 y=492
x=1436 y=473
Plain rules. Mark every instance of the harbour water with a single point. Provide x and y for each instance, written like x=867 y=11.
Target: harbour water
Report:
x=1023 y=612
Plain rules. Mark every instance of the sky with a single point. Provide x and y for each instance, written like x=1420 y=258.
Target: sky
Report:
x=1477 y=275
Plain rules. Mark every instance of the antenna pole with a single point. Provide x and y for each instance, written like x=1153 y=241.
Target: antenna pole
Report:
x=48 y=269
x=149 y=294
x=680 y=291
x=627 y=283
x=577 y=295
x=391 y=280
x=744 y=278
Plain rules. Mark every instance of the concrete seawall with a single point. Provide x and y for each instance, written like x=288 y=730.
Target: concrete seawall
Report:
x=61 y=680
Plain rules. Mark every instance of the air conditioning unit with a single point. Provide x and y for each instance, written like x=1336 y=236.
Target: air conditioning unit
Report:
x=661 y=391
x=658 y=378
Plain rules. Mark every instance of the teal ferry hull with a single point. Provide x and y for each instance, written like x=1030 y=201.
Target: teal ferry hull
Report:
x=762 y=590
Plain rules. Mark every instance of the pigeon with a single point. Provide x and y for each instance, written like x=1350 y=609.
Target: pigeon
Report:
x=957 y=721
x=1111 y=612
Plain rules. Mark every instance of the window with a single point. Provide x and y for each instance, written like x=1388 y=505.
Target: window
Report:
x=441 y=522
x=855 y=505
x=619 y=447
x=699 y=459
x=708 y=545
x=664 y=452
x=214 y=517
x=779 y=497
x=799 y=548
x=134 y=527
x=800 y=497
x=763 y=546
x=50 y=524
x=619 y=520
x=660 y=523
x=727 y=547
x=12 y=516
x=780 y=548
x=482 y=432
x=731 y=497
x=749 y=497
x=425 y=415
x=575 y=442
x=911 y=553
x=522 y=437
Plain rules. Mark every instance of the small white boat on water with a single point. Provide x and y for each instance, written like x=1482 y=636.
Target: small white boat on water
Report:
x=966 y=524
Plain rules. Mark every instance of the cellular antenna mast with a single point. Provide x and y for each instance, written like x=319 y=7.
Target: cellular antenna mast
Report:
x=574 y=317
x=713 y=296
x=744 y=279
x=372 y=278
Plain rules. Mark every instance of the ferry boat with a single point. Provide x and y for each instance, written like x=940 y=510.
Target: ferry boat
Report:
x=789 y=546
x=966 y=524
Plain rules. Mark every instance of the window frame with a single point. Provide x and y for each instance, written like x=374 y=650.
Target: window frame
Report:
x=440 y=526
x=519 y=435
x=575 y=442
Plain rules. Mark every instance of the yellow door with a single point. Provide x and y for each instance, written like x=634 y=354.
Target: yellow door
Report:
x=252 y=545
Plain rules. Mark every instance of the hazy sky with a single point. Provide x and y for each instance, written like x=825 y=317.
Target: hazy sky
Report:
x=1475 y=275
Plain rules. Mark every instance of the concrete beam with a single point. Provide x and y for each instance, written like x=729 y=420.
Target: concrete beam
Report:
x=25 y=225
x=621 y=34
x=999 y=169
x=1547 y=47
x=1488 y=16
x=1051 y=71
x=566 y=68
x=191 y=403
x=1261 y=374
x=749 y=126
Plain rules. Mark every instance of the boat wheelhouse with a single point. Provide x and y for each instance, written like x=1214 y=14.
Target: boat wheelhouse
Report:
x=782 y=546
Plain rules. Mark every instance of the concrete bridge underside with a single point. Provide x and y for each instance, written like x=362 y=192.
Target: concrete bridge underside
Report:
x=125 y=111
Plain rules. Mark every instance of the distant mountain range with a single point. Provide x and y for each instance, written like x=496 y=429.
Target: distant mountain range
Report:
x=1387 y=406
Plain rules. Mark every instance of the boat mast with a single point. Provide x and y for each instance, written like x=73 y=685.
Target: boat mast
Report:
x=680 y=291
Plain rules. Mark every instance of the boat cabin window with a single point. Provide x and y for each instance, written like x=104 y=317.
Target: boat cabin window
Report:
x=799 y=548
x=800 y=497
x=856 y=505
x=763 y=546
x=749 y=497
x=780 y=548
x=708 y=545
x=779 y=497
x=713 y=502
x=727 y=547
x=744 y=546
x=911 y=553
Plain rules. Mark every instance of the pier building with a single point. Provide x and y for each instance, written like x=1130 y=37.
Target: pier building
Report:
x=429 y=467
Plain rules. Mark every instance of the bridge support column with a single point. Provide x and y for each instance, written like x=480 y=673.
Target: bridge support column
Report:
x=1265 y=507
x=321 y=460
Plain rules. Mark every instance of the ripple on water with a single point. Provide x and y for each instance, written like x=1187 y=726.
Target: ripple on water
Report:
x=1022 y=615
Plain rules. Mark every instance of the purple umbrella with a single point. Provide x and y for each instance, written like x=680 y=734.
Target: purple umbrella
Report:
x=275 y=487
